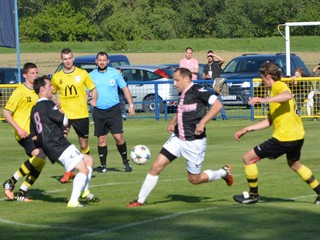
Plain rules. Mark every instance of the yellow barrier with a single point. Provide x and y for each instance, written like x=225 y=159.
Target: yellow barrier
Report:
x=306 y=93
x=5 y=92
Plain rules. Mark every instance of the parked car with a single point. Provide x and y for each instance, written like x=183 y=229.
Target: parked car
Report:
x=89 y=62
x=240 y=70
x=10 y=76
x=177 y=65
x=144 y=95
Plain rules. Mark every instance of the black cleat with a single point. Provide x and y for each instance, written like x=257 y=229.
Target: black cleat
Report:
x=247 y=198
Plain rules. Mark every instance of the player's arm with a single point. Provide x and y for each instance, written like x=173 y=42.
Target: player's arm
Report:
x=254 y=127
x=172 y=123
x=94 y=97
x=9 y=118
x=214 y=110
x=128 y=96
x=282 y=97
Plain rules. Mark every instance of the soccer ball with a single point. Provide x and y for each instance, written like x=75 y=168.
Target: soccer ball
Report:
x=140 y=154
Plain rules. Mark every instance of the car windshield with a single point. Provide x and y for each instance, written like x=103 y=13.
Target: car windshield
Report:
x=244 y=65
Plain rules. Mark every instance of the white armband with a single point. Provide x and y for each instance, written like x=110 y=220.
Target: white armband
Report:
x=65 y=121
x=212 y=99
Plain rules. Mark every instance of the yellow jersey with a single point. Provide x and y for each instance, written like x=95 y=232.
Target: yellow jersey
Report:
x=72 y=92
x=287 y=124
x=20 y=104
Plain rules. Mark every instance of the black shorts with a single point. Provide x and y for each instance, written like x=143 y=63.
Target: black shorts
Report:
x=29 y=145
x=272 y=149
x=108 y=120
x=81 y=126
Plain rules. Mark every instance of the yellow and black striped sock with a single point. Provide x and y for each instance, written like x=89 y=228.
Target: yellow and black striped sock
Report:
x=252 y=173
x=35 y=167
x=306 y=174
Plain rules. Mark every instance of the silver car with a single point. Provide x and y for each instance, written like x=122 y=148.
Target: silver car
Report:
x=152 y=86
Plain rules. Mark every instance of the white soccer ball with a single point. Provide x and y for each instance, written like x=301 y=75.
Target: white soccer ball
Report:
x=140 y=154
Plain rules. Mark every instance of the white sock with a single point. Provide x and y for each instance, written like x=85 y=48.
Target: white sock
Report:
x=16 y=176
x=148 y=185
x=24 y=187
x=86 y=186
x=78 y=185
x=215 y=174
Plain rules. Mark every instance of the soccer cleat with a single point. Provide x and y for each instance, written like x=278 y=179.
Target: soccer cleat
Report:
x=317 y=201
x=247 y=198
x=102 y=169
x=21 y=197
x=89 y=197
x=66 y=177
x=8 y=187
x=74 y=205
x=127 y=166
x=228 y=178
x=134 y=203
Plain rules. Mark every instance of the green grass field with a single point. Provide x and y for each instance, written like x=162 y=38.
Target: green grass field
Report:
x=175 y=209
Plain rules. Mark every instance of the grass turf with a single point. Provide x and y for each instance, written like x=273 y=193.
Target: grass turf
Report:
x=175 y=209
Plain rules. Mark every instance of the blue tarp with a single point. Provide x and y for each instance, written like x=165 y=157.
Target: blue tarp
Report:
x=7 y=24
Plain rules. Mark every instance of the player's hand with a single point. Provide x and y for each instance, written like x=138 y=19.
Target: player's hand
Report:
x=199 y=129
x=255 y=100
x=22 y=133
x=170 y=128
x=239 y=134
x=93 y=102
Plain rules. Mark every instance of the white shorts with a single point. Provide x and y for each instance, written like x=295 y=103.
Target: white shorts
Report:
x=192 y=151
x=70 y=157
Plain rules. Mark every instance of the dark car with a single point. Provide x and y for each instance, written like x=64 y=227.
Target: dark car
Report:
x=199 y=72
x=10 y=76
x=240 y=71
x=144 y=94
x=89 y=62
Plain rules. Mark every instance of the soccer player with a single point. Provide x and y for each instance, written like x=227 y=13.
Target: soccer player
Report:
x=48 y=125
x=17 y=114
x=107 y=112
x=71 y=83
x=287 y=137
x=188 y=137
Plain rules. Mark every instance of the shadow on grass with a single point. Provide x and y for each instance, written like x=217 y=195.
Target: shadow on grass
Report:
x=181 y=198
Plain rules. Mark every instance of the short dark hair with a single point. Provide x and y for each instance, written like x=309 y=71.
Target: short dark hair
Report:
x=28 y=66
x=39 y=82
x=272 y=69
x=66 y=51
x=184 y=72
x=102 y=54
x=189 y=48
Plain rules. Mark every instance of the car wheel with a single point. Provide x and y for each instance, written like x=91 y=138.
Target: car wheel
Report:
x=149 y=104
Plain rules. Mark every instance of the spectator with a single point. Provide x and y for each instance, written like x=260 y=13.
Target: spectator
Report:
x=212 y=70
x=107 y=112
x=190 y=63
x=71 y=83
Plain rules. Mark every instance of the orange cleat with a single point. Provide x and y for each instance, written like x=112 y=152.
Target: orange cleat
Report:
x=134 y=204
x=66 y=177
x=228 y=178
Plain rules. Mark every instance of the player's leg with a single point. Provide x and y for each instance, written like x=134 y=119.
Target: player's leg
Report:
x=101 y=131
x=122 y=149
x=30 y=168
x=152 y=177
x=293 y=160
x=86 y=194
x=251 y=171
x=116 y=128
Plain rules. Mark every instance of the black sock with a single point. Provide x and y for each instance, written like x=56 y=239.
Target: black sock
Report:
x=103 y=152
x=122 y=149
